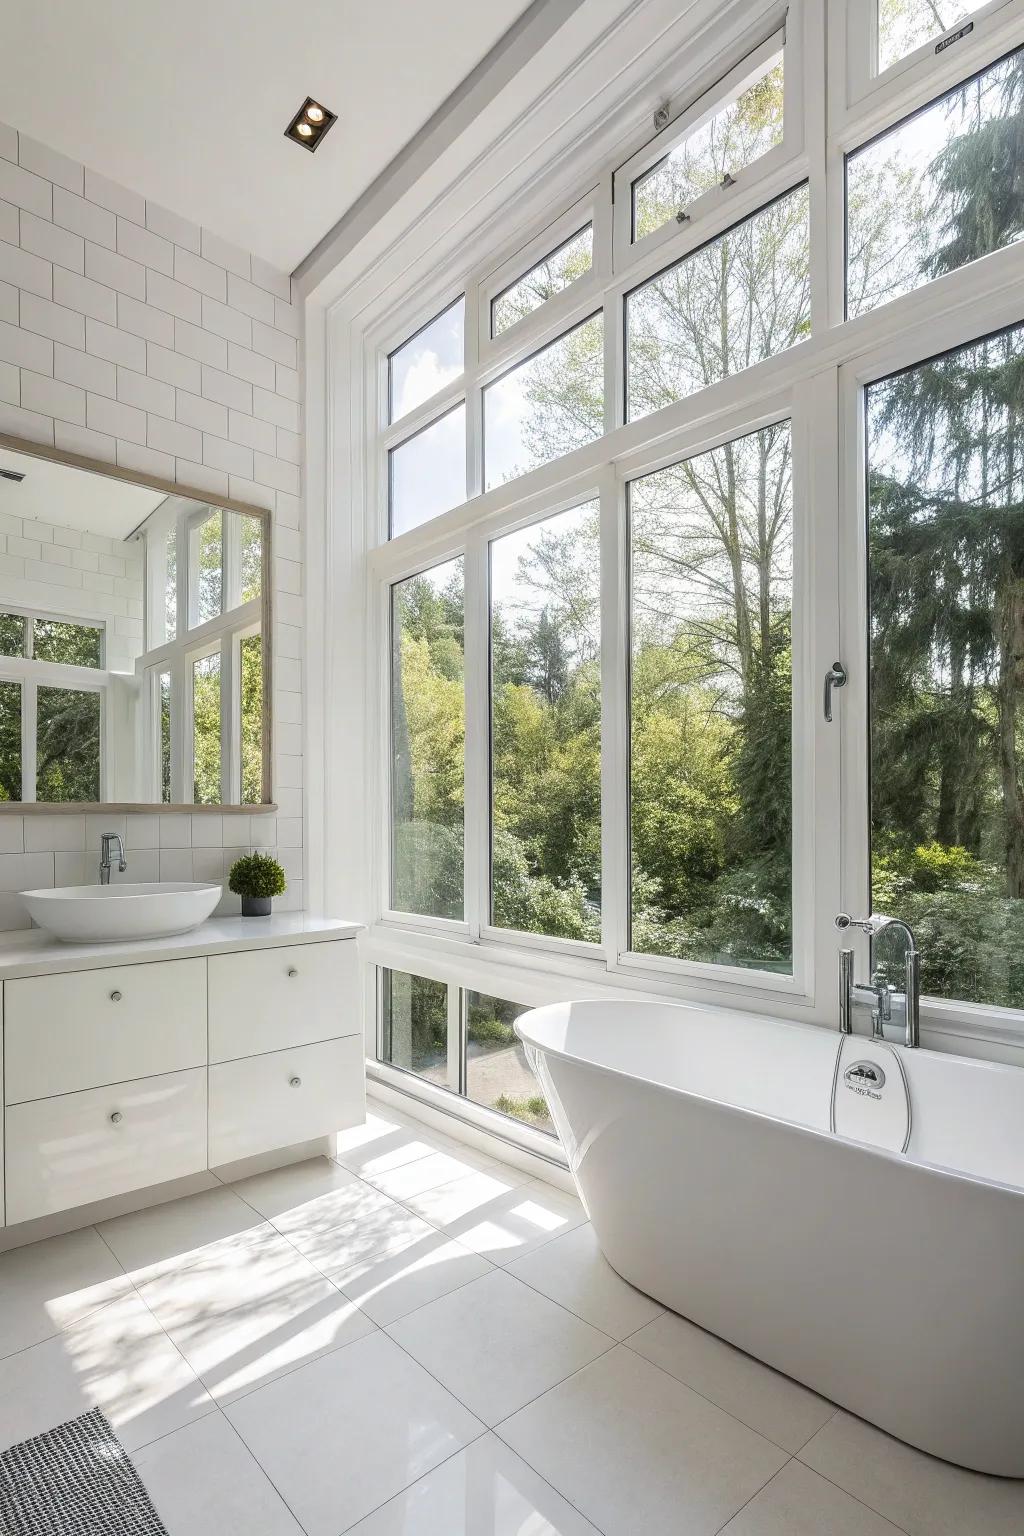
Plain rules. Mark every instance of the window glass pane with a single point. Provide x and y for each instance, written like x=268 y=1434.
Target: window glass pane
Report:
x=427 y=361
x=711 y=705
x=938 y=190
x=250 y=651
x=946 y=599
x=546 y=727
x=427 y=473
x=78 y=645
x=67 y=744
x=207 y=555
x=206 y=730
x=10 y=741
x=547 y=406
x=415 y=1025
x=164 y=698
x=550 y=276
x=904 y=25
x=251 y=555
x=729 y=304
x=171 y=585
x=739 y=133
x=12 y=634
x=497 y=1072
x=428 y=729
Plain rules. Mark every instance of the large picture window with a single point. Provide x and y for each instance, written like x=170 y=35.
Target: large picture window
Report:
x=946 y=560
x=428 y=731
x=546 y=726
x=720 y=633
x=710 y=705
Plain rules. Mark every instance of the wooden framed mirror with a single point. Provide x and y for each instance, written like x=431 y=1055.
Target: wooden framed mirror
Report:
x=135 y=641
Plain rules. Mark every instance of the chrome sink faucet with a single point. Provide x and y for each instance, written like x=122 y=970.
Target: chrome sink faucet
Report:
x=883 y=999
x=122 y=864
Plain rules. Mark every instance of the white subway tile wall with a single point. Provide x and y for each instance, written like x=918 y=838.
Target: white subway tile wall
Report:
x=130 y=335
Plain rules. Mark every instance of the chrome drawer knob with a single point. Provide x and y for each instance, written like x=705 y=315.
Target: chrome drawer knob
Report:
x=292 y=971
x=295 y=1082
x=115 y=997
x=116 y=1117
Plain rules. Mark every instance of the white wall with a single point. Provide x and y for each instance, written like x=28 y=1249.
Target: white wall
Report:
x=131 y=335
x=80 y=575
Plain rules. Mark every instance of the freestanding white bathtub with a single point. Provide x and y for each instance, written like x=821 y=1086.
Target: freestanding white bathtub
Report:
x=889 y=1280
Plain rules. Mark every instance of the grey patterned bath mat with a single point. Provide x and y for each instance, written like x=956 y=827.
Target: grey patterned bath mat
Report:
x=75 y=1480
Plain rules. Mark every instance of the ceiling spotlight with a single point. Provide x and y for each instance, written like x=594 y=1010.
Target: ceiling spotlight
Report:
x=310 y=123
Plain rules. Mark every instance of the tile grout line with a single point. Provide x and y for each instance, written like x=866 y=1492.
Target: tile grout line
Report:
x=757 y=1492
x=856 y=1497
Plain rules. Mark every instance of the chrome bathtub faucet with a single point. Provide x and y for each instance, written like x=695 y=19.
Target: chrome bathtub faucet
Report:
x=885 y=1001
x=105 y=841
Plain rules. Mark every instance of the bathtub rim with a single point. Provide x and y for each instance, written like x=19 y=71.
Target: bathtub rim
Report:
x=898 y=1159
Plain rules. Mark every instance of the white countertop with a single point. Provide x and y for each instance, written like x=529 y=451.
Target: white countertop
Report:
x=33 y=952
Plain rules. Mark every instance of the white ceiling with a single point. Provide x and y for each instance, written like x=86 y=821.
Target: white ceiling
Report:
x=73 y=498
x=187 y=102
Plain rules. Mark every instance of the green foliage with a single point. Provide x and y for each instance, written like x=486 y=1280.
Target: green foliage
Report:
x=531 y=1108
x=256 y=874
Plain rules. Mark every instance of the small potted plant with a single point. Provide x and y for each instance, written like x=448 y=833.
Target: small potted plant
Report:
x=257 y=878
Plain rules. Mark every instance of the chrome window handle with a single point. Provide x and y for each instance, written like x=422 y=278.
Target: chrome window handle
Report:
x=835 y=677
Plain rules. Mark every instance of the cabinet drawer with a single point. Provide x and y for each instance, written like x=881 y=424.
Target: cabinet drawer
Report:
x=284 y=1097
x=87 y=1028
x=88 y=1146
x=271 y=999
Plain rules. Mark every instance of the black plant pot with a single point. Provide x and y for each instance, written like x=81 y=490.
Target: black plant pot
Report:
x=256 y=906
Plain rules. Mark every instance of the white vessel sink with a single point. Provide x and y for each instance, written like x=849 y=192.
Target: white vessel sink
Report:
x=103 y=914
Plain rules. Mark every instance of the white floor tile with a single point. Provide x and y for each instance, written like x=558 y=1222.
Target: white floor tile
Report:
x=340 y=1437
x=389 y=1285
x=776 y=1406
x=434 y=1169
x=573 y=1271
x=49 y=1285
x=203 y=1482
x=332 y=1216
x=283 y=1190
x=503 y=1223
x=485 y=1490
x=170 y=1236
x=249 y=1308
x=922 y=1495
x=383 y=1144
x=639 y=1453
x=497 y=1344
x=797 y=1502
x=118 y=1359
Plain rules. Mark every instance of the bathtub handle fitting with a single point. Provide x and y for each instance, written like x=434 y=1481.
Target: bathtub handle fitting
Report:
x=879 y=995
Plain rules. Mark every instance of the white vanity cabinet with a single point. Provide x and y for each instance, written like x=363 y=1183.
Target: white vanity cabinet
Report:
x=117 y=1077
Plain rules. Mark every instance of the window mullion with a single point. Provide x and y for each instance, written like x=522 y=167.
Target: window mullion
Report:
x=474 y=397
x=477 y=750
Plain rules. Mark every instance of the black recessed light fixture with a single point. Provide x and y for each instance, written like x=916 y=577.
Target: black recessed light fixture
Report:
x=310 y=123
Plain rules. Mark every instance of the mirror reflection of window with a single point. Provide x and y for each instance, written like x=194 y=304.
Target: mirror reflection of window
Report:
x=10 y=741
x=206 y=556
x=250 y=661
x=206 y=704
x=164 y=693
x=67 y=744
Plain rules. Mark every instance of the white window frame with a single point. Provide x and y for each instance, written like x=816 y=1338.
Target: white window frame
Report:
x=861 y=93
x=766 y=170
x=816 y=385
x=592 y=210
